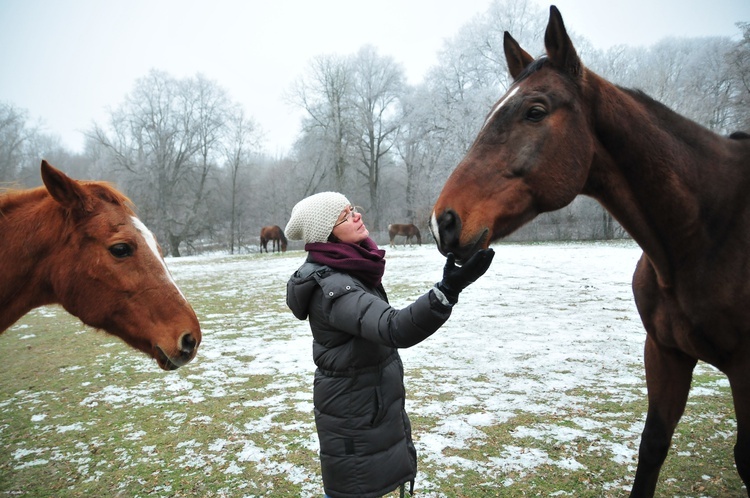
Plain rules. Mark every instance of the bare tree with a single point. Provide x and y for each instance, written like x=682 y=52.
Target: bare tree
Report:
x=205 y=107
x=14 y=136
x=237 y=151
x=420 y=146
x=310 y=171
x=738 y=62
x=376 y=88
x=324 y=95
x=163 y=137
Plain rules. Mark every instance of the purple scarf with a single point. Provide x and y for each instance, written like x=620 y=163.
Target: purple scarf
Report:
x=363 y=261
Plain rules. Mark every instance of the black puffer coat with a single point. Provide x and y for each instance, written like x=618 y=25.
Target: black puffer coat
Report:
x=366 y=448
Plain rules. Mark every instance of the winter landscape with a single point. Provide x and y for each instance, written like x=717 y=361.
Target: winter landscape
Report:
x=534 y=387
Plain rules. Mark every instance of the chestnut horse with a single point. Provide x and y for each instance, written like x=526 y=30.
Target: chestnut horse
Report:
x=79 y=244
x=680 y=190
x=408 y=230
x=275 y=234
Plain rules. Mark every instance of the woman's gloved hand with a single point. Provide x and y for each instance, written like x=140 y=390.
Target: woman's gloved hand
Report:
x=457 y=278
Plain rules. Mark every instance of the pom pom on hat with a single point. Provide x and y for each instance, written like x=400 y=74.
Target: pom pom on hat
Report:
x=313 y=217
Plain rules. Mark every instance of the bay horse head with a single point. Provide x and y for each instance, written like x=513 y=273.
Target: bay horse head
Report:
x=80 y=245
x=531 y=155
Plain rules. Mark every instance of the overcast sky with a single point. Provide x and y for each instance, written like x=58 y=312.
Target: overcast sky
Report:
x=68 y=61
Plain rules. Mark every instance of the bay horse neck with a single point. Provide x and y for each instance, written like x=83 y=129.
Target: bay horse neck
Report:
x=650 y=171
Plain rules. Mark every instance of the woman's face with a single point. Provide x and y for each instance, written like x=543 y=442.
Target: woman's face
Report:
x=349 y=227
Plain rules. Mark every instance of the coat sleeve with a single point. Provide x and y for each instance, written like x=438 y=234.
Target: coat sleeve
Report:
x=352 y=309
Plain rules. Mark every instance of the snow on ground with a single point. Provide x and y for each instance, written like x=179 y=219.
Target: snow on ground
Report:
x=548 y=327
x=545 y=321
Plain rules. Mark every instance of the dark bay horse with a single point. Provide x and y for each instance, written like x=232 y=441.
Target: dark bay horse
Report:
x=680 y=190
x=407 y=230
x=275 y=234
x=79 y=244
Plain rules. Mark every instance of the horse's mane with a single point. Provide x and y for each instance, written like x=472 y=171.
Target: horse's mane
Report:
x=10 y=198
x=672 y=121
x=648 y=101
x=108 y=193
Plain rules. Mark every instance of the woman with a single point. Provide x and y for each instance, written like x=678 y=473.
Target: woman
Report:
x=366 y=448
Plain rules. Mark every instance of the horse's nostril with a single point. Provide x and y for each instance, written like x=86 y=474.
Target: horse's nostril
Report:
x=187 y=343
x=449 y=228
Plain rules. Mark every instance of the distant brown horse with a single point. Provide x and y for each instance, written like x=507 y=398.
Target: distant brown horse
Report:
x=680 y=190
x=408 y=230
x=275 y=234
x=80 y=245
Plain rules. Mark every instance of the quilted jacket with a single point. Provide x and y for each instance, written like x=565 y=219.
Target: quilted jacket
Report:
x=366 y=448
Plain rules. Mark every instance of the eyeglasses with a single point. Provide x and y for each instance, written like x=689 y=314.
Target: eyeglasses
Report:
x=352 y=211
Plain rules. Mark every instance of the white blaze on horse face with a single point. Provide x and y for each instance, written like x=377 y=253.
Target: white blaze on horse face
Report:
x=498 y=106
x=434 y=226
x=151 y=241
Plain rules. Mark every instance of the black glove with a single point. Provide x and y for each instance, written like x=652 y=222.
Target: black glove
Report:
x=457 y=278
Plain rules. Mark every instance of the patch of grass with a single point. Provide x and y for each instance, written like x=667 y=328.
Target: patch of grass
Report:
x=81 y=414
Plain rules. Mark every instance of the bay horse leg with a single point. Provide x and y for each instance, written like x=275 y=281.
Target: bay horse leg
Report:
x=668 y=377
x=740 y=383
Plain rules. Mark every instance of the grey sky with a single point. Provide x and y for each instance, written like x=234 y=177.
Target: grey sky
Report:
x=68 y=61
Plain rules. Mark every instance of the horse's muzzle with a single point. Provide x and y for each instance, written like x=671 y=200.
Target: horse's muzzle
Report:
x=187 y=350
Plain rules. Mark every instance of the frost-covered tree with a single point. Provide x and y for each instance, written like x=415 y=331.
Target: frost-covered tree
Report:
x=324 y=94
x=377 y=84
x=738 y=68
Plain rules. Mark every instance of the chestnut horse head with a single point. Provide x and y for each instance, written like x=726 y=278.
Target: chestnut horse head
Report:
x=679 y=189
x=275 y=235
x=80 y=245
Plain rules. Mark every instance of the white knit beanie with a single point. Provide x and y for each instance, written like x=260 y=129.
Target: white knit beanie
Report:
x=313 y=217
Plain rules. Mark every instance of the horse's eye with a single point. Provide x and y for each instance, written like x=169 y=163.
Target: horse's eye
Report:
x=121 y=250
x=536 y=113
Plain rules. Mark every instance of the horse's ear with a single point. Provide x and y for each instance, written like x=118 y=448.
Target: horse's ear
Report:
x=560 y=49
x=63 y=189
x=516 y=57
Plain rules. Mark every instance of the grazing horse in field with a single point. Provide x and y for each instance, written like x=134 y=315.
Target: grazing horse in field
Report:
x=275 y=234
x=79 y=244
x=680 y=190
x=408 y=230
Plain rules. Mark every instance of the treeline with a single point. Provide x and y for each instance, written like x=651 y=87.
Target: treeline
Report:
x=192 y=159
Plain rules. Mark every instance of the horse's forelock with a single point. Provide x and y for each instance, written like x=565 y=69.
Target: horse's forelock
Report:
x=108 y=193
x=532 y=68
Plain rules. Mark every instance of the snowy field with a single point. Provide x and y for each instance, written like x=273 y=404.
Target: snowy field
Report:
x=549 y=330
